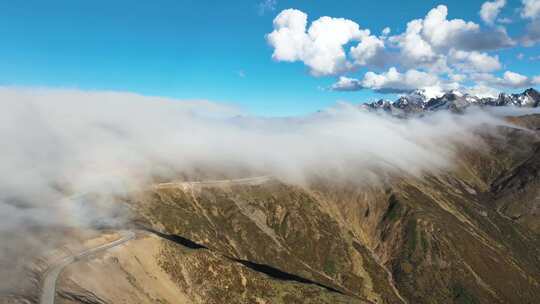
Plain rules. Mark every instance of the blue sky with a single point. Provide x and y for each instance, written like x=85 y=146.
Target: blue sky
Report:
x=217 y=50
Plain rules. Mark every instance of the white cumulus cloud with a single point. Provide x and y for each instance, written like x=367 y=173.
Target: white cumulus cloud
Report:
x=320 y=47
x=490 y=10
x=441 y=32
x=474 y=61
x=515 y=80
x=509 y=79
x=347 y=84
x=530 y=9
x=413 y=46
x=427 y=42
x=433 y=51
x=370 y=51
x=392 y=81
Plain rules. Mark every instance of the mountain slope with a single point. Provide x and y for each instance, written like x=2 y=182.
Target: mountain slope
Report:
x=468 y=234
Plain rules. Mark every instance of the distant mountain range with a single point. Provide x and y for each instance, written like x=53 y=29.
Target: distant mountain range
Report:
x=418 y=102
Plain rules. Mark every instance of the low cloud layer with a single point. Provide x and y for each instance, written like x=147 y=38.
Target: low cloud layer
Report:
x=62 y=143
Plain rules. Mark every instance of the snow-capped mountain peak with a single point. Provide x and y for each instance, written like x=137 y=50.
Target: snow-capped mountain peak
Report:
x=423 y=100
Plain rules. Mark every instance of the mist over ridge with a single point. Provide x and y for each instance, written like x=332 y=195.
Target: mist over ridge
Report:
x=62 y=142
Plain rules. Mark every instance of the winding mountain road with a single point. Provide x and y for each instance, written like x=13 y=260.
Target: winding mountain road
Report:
x=48 y=291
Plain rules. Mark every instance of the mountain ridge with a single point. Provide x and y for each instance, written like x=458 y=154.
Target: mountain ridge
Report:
x=418 y=102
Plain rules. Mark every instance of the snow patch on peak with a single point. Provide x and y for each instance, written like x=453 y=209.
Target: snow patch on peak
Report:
x=433 y=92
x=457 y=93
x=471 y=99
x=425 y=94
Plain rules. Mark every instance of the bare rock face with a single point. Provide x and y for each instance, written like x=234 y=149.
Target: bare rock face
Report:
x=469 y=234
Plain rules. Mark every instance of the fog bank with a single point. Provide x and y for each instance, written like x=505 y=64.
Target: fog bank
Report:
x=60 y=143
